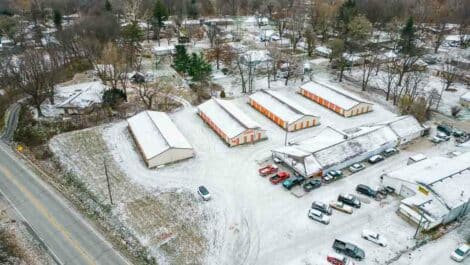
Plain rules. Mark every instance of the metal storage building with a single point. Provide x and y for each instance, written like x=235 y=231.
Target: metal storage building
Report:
x=230 y=123
x=334 y=99
x=283 y=111
x=436 y=189
x=158 y=139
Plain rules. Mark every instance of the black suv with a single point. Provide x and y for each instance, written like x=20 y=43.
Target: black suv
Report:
x=349 y=199
x=445 y=129
x=322 y=207
x=366 y=190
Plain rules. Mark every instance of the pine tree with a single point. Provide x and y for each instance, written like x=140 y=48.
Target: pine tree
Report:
x=181 y=59
x=107 y=6
x=57 y=19
x=408 y=38
x=199 y=69
x=346 y=13
x=160 y=14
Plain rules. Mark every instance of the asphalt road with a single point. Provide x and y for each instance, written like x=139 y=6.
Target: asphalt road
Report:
x=12 y=122
x=68 y=235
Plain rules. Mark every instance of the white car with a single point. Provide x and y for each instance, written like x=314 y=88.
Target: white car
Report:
x=374 y=237
x=461 y=253
x=356 y=167
x=204 y=193
x=318 y=216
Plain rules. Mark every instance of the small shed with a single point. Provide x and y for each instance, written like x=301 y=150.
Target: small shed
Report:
x=230 y=123
x=285 y=112
x=334 y=99
x=465 y=100
x=158 y=139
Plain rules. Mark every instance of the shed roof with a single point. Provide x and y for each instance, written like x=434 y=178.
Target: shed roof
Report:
x=155 y=133
x=341 y=98
x=228 y=117
x=283 y=107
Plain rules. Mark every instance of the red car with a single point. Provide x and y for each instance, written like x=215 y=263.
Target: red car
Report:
x=279 y=177
x=267 y=170
x=336 y=259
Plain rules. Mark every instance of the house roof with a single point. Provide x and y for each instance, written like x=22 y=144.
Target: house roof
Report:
x=80 y=95
x=283 y=107
x=155 y=133
x=228 y=117
x=404 y=125
x=334 y=95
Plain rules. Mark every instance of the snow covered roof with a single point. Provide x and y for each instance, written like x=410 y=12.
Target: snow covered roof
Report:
x=163 y=49
x=302 y=162
x=256 y=56
x=155 y=133
x=283 y=107
x=466 y=96
x=228 y=117
x=405 y=125
x=323 y=50
x=327 y=137
x=79 y=95
x=355 y=146
x=341 y=98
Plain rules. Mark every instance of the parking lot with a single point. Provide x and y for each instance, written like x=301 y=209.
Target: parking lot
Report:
x=256 y=222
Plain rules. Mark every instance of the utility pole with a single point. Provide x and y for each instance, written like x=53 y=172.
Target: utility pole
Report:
x=107 y=180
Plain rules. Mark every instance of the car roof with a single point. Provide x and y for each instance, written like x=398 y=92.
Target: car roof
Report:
x=202 y=188
x=316 y=211
x=464 y=247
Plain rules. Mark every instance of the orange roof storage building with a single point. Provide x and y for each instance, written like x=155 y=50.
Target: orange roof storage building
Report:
x=230 y=123
x=283 y=111
x=334 y=99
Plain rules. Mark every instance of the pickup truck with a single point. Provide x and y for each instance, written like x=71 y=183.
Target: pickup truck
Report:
x=267 y=170
x=349 y=249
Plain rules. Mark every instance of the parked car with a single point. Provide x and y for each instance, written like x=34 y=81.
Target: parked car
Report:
x=339 y=206
x=268 y=170
x=458 y=133
x=375 y=159
x=366 y=190
x=204 y=193
x=350 y=200
x=337 y=259
x=436 y=139
x=356 y=167
x=445 y=129
x=349 y=249
x=390 y=152
x=384 y=191
x=293 y=181
x=461 y=253
x=332 y=175
x=318 y=216
x=279 y=177
x=311 y=184
x=374 y=237
x=277 y=160
x=443 y=136
x=322 y=207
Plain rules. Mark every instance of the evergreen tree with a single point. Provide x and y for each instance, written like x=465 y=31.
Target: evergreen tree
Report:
x=407 y=41
x=199 y=69
x=107 y=6
x=57 y=19
x=160 y=14
x=347 y=11
x=181 y=59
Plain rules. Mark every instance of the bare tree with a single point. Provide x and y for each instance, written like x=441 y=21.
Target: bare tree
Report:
x=368 y=66
x=449 y=74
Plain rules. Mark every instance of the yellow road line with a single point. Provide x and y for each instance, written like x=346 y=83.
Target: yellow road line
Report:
x=43 y=210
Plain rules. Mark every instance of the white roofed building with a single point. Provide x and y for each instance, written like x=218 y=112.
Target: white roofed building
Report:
x=436 y=189
x=334 y=99
x=230 y=123
x=465 y=100
x=158 y=139
x=284 y=111
x=406 y=127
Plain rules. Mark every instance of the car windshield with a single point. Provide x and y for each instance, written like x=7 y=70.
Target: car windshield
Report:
x=459 y=252
x=203 y=190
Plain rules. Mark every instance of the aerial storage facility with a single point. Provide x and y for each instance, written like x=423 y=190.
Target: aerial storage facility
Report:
x=334 y=99
x=158 y=139
x=230 y=123
x=283 y=111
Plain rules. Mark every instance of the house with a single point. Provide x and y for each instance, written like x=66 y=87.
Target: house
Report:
x=158 y=139
x=334 y=99
x=283 y=111
x=436 y=189
x=79 y=98
x=255 y=57
x=465 y=100
x=323 y=51
x=164 y=50
x=230 y=123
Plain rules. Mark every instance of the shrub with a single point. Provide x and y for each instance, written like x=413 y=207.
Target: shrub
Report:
x=222 y=94
x=113 y=97
x=225 y=71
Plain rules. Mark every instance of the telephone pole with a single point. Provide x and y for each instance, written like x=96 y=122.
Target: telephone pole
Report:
x=107 y=181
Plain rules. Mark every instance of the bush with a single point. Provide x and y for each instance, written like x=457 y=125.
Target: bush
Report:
x=222 y=94
x=113 y=97
x=225 y=71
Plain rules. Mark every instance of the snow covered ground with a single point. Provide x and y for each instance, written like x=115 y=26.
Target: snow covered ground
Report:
x=256 y=222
